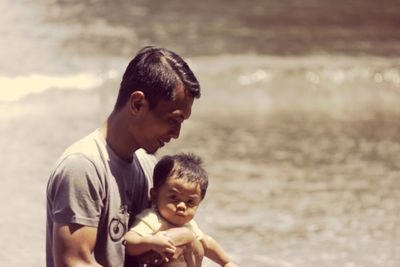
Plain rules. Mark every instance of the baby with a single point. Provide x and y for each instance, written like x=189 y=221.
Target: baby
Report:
x=180 y=184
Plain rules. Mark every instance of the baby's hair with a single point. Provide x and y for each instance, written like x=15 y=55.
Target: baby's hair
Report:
x=185 y=166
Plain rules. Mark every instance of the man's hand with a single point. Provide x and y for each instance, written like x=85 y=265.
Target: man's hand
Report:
x=154 y=258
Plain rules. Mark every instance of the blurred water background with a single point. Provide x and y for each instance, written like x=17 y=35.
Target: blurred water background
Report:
x=298 y=123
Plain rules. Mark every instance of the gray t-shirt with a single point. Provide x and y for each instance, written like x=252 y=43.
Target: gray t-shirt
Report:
x=92 y=186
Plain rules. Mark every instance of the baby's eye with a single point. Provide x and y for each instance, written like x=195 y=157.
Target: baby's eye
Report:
x=191 y=203
x=172 y=197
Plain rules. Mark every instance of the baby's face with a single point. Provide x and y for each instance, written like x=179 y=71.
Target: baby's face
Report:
x=177 y=200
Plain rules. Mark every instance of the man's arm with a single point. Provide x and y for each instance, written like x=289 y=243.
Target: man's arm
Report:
x=215 y=252
x=73 y=245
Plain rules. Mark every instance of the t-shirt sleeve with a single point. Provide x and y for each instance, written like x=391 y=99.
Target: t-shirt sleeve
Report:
x=195 y=229
x=146 y=223
x=76 y=192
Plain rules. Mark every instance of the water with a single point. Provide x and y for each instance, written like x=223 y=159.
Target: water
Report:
x=298 y=123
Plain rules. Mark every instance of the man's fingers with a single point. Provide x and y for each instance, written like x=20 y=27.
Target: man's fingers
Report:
x=176 y=254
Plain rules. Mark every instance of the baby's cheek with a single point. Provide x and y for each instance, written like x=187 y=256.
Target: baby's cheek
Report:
x=191 y=213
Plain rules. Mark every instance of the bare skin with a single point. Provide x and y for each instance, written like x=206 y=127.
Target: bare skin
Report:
x=164 y=246
x=215 y=252
x=73 y=245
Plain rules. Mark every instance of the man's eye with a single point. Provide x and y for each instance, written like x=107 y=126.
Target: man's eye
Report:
x=175 y=121
x=172 y=121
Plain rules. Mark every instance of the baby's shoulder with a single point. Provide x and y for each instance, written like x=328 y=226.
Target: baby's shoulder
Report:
x=148 y=214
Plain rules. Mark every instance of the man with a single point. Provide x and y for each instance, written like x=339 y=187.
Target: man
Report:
x=97 y=184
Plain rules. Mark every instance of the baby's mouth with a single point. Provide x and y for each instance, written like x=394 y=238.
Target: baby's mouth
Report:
x=180 y=213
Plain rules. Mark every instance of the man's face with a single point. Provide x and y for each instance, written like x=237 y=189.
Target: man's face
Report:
x=162 y=123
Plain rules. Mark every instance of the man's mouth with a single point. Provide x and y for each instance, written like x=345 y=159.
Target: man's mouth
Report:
x=163 y=142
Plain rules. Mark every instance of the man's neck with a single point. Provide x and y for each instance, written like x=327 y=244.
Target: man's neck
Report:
x=117 y=137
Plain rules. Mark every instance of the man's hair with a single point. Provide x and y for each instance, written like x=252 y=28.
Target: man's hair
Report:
x=183 y=166
x=157 y=72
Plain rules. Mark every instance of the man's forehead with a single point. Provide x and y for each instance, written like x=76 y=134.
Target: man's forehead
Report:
x=177 y=107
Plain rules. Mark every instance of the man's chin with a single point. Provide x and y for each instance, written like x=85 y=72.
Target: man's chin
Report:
x=151 y=150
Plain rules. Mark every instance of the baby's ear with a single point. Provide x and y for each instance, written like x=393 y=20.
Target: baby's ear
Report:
x=153 y=195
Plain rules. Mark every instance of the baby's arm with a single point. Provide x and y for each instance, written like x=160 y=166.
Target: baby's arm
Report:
x=215 y=252
x=144 y=245
x=159 y=242
x=180 y=235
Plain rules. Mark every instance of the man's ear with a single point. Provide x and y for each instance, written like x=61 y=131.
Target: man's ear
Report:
x=137 y=101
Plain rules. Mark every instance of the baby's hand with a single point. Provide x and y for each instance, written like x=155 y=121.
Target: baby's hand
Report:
x=163 y=245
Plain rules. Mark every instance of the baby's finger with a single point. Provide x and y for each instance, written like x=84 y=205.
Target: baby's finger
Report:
x=170 y=250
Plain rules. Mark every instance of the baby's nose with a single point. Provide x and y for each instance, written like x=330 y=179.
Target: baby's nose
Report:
x=181 y=205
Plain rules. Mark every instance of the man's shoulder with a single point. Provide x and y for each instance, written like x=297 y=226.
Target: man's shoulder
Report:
x=84 y=154
x=88 y=146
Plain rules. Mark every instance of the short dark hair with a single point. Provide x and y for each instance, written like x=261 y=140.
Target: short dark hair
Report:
x=184 y=166
x=157 y=72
